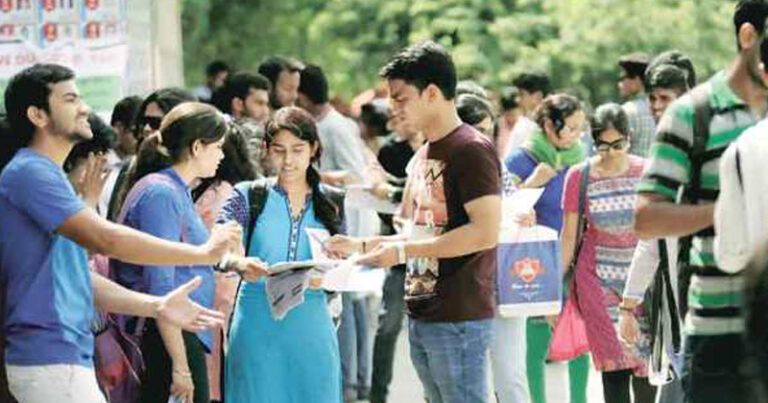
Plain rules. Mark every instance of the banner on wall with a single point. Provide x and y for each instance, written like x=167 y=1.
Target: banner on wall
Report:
x=88 y=36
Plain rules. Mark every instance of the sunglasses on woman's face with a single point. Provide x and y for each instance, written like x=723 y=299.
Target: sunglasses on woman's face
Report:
x=152 y=121
x=618 y=145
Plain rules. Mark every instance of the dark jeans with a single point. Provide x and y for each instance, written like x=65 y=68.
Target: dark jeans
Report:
x=715 y=369
x=390 y=323
x=616 y=387
x=156 y=380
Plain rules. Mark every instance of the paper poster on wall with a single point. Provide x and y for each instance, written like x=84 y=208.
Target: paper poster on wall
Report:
x=18 y=11
x=86 y=35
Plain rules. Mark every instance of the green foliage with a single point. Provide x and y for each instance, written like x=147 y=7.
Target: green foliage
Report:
x=576 y=41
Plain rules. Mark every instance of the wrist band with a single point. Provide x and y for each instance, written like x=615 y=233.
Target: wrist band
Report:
x=401 y=258
x=363 y=245
x=626 y=308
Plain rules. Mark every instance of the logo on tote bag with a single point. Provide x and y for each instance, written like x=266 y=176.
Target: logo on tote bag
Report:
x=527 y=269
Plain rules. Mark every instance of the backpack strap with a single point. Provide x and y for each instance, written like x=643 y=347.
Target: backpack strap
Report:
x=257 y=199
x=581 y=229
x=702 y=114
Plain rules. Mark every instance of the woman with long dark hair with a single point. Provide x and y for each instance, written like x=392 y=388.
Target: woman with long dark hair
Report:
x=148 y=118
x=188 y=147
x=294 y=359
x=602 y=261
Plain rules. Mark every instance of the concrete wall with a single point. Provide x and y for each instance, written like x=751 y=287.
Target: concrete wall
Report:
x=154 y=46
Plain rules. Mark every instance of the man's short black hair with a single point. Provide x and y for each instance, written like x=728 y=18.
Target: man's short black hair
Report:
x=215 y=67
x=125 y=111
x=239 y=85
x=752 y=12
x=423 y=64
x=667 y=76
x=313 y=84
x=533 y=82
x=508 y=98
x=634 y=64
x=677 y=59
x=31 y=87
x=274 y=65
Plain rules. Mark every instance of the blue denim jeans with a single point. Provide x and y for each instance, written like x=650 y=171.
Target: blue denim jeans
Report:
x=355 y=347
x=451 y=359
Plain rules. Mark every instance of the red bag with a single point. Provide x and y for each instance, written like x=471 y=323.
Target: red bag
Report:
x=569 y=336
x=117 y=363
x=117 y=359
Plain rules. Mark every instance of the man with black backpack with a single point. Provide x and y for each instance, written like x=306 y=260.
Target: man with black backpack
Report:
x=691 y=137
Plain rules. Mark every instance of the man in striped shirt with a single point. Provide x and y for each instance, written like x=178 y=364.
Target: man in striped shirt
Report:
x=713 y=347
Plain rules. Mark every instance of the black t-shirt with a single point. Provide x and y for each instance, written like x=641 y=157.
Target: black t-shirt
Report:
x=443 y=177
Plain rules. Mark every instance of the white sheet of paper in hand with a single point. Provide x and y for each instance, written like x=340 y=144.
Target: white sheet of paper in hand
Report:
x=360 y=197
x=522 y=200
x=352 y=277
x=317 y=236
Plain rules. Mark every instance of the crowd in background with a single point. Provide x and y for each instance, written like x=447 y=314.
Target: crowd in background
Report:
x=657 y=201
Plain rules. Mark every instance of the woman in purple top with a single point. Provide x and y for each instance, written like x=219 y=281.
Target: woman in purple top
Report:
x=188 y=147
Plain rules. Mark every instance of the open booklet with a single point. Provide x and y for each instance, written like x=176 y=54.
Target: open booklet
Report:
x=303 y=265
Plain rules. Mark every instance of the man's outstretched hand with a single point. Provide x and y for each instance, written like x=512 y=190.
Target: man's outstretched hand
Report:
x=176 y=308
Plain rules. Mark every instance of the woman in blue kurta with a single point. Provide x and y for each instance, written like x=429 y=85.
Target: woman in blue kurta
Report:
x=294 y=359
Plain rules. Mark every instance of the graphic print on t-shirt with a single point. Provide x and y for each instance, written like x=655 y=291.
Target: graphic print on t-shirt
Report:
x=429 y=218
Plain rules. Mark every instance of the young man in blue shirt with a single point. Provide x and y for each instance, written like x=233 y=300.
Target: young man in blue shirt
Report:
x=49 y=293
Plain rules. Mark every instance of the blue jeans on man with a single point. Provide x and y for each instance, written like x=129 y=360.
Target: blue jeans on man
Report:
x=451 y=359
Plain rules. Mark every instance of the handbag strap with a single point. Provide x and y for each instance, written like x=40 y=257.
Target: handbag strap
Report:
x=581 y=227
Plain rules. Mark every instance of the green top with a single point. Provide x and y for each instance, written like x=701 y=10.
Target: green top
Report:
x=543 y=151
x=714 y=297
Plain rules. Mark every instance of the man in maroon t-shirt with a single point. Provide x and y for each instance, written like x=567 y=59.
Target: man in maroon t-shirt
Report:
x=452 y=201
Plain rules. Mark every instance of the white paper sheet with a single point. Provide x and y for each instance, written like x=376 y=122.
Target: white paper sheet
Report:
x=522 y=200
x=352 y=277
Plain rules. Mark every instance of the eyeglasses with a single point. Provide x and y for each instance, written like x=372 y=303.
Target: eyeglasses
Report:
x=618 y=145
x=152 y=121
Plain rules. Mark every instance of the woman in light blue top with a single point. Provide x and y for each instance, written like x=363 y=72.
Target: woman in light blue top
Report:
x=294 y=359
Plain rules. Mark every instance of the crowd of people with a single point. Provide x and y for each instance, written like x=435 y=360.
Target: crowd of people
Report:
x=159 y=229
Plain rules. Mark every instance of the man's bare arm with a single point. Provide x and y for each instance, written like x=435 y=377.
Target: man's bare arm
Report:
x=126 y=244
x=114 y=298
x=175 y=308
x=480 y=233
x=656 y=217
